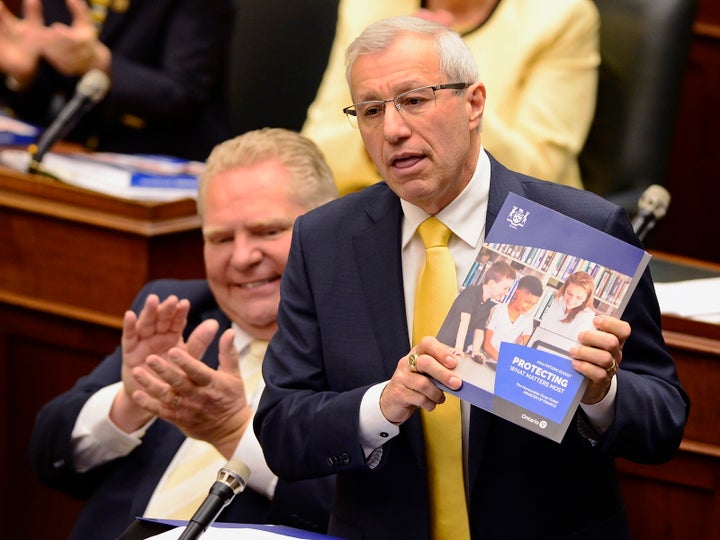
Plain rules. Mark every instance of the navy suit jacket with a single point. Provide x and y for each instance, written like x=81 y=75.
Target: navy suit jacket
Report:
x=119 y=491
x=167 y=94
x=343 y=328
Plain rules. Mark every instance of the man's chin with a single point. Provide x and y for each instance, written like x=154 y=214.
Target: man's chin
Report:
x=260 y=315
x=410 y=186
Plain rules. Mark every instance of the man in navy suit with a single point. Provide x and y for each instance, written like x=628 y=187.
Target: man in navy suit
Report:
x=116 y=437
x=343 y=383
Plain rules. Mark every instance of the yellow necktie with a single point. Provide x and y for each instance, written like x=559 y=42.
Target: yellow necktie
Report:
x=98 y=12
x=196 y=464
x=187 y=482
x=251 y=367
x=436 y=290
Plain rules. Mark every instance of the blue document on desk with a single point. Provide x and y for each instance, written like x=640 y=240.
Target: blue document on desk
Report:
x=518 y=365
x=14 y=132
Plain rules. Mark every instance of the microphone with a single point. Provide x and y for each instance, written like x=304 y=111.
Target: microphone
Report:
x=231 y=480
x=652 y=206
x=91 y=88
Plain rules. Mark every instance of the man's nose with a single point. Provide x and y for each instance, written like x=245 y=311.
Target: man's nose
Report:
x=394 y=124
x=246 y=252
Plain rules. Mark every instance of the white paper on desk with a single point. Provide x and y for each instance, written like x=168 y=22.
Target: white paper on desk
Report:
x=17 y=127
x=223 y=533
x=101 y=176
x=697 y=299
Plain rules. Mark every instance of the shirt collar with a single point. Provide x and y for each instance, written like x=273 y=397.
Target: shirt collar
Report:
x=242 y=339
x=461 y=215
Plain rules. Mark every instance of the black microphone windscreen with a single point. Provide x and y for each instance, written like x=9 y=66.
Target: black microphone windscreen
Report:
x=231 y=480
x=91 y=89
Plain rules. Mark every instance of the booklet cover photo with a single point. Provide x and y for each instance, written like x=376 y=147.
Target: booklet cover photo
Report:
x=537 y=282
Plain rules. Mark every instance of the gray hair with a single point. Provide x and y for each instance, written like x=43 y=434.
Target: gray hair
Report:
x=313 y=183
x=456 y=59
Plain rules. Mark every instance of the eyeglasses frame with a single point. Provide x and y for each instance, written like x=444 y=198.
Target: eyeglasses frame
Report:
x=351 y=110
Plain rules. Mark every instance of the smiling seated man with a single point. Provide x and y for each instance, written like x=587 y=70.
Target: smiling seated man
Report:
x=180 y=390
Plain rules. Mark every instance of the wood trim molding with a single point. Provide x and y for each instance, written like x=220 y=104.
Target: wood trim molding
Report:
x=62 y=310
x=706 y=30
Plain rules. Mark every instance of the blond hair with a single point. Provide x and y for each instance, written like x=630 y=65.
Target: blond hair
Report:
x=312 y=182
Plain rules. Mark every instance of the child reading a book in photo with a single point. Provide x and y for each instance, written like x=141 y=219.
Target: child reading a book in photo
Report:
x=571 y=311
x=512 y=322
x=466 y=320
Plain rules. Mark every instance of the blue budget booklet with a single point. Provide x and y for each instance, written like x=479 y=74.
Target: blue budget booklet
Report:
x=537 y=282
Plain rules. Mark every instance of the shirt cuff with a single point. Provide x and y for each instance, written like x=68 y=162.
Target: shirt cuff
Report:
x=248 y=451
x=601 y=414
x=95 y=439
x=13 y=84
x=375 y=429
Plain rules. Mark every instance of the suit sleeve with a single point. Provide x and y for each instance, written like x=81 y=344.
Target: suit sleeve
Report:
x=194 y=51
x=651 y=406
x=297 y=410
x=50 y=449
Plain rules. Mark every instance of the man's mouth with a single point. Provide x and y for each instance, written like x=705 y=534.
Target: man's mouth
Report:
x=406 y=161
x=258 y=283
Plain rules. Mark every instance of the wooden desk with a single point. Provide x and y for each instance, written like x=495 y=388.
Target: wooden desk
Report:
x=681 y=499
x=71 y=261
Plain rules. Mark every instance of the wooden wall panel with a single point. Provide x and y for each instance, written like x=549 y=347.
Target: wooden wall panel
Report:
x=71 y=261
x=694 y=171
x=677 y=501
x=45 y=356
x=708 y=12
x=694 y=168
x=681 y=499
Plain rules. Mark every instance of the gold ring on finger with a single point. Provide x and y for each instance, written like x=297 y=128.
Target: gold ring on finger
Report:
x=412 y=362
x=611 y=369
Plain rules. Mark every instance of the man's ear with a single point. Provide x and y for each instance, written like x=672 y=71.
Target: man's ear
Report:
x=476 y=104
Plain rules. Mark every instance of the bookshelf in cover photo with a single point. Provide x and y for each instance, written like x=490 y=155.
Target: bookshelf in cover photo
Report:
x=532 y=382
x=553 y=268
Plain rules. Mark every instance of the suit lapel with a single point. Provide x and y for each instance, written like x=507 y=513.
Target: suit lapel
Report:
x=377 y=254
x=379 y=263
x=165 y=440
x=502 y=182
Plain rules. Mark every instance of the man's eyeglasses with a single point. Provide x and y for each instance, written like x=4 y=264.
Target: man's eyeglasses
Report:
x=412 y=102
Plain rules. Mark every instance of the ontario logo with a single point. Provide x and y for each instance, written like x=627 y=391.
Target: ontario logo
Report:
x=517 y=217
x=542 y=424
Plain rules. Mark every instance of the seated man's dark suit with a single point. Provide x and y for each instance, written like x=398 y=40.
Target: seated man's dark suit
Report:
x=119 y=491
x=168 y=79
x=343 y=328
